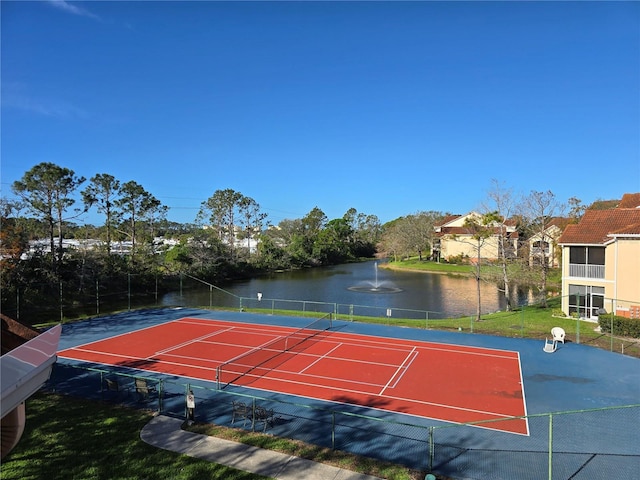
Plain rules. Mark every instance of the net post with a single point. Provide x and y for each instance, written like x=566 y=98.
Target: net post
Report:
x=218 y=377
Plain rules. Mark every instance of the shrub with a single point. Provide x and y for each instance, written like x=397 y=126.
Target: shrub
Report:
x=622 y=326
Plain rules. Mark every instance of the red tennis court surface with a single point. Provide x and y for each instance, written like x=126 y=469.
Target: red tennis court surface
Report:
x=445 y=382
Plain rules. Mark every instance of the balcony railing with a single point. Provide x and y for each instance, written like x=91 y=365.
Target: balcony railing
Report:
x=586 y=271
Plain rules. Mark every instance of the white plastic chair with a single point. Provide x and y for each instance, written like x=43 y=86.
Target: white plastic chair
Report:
x=550 y=347
x=558 y=334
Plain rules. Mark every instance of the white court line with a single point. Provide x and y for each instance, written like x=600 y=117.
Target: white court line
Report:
x=365 y=344
x=129 y=357
x=98 y=352
x=320 y=357
x=404 y=399
x=192 y=341
x=124 y=334
x=465 y=349
x=401 y=367
x=524 y=401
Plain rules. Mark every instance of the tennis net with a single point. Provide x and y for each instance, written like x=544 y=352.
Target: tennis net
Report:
x=265 y=357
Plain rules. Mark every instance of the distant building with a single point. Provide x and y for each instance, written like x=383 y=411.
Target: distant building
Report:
x=601 y=261
x=543 y=247
x=454 y=240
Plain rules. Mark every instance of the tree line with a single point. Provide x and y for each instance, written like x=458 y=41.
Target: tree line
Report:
x=231 y=236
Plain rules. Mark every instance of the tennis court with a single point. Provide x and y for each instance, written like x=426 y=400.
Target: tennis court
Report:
x=447 y=382
x=381 y=391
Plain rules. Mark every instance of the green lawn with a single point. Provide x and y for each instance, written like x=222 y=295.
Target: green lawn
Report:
x=67 y=438
x=425 y=266
x=70 y=438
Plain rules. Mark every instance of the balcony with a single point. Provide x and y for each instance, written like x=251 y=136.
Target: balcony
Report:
x=586 y=271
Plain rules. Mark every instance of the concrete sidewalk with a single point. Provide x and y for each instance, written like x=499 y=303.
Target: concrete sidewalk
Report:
x=166 y=433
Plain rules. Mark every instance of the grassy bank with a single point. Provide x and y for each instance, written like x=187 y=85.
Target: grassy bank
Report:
x=554 y=275
x=418 y=265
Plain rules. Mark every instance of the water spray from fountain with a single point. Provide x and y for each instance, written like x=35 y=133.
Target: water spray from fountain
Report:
x=376 y=286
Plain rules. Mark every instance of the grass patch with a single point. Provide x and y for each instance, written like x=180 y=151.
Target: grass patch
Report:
x=66 y=437
x=316 y=453
x=427 y=266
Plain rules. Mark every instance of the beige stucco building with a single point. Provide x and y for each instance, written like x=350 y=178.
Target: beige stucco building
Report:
x=601 y=261
x=543 y=247
x=454 y=239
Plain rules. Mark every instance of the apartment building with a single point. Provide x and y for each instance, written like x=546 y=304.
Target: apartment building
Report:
x=601 y=261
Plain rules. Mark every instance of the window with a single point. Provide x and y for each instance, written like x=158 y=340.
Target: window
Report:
x=586 y=262
x=586 y=255
x=585 y=300
x=578 y=255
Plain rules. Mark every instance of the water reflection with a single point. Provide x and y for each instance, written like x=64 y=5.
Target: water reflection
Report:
x=449 y=295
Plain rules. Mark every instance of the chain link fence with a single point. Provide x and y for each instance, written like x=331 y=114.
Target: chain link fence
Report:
x=600 y=443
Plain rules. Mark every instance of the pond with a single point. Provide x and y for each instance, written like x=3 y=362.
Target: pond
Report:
x=365 y=283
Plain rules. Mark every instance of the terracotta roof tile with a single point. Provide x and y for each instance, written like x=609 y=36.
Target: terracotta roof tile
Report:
x=630 y=200
x=596 y=225
x=630 y=230
x=447 y=219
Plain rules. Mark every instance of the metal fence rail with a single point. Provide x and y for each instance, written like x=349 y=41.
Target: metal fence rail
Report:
x=129 y=291
x=599 y=443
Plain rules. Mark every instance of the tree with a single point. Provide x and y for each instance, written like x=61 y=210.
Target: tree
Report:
x=252 y=220
x=539 y=208
x=366 y=231
x=312 y=224
x=103 y=191
x=222 y=208
x=270 y=255
x=410 y=235
x=501 y=205
x=134 y=204
x=47 y=191
x=480 y=228
x=331 y=245
x=576 y=209
x=13 y=237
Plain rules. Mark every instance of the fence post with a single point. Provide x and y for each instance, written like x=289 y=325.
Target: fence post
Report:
x=333 y=430
x=578 y=320
x=61 y=304
x=611 y=333
x=160 y=395
x=253 y=414
x=97 y=297
x=550 y=446
x=187 y=388
x=432 y=449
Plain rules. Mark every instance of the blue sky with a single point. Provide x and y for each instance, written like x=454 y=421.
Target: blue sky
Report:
x=386 y=107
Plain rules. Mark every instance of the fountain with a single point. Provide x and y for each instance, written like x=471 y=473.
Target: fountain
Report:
x=375 y=286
